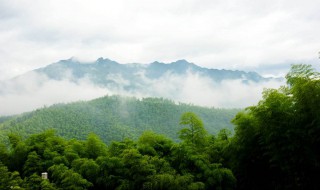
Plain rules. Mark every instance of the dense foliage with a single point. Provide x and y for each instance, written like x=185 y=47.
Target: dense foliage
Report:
x=277 y=142
x=151 y=162
x=275 y=146
x=114 y=118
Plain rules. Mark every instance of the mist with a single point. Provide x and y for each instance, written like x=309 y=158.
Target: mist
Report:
x=199 y=90
x=34 y=90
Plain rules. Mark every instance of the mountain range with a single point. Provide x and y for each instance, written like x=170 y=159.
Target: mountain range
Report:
x=108 y=73
x=181 y=81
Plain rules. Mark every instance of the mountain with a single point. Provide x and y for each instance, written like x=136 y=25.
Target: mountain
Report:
x=181 y=81
x=114 y=118
x=106 y=72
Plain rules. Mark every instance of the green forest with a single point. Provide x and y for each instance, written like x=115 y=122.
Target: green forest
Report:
x=114 y=118
x=275 y=145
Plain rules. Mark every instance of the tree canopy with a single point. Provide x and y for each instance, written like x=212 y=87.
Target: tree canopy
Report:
x=277 y=141
x=152 y=162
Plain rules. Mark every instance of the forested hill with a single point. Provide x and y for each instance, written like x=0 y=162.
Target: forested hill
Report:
x=114 y=118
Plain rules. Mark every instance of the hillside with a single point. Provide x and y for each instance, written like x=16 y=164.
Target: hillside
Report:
x=114 y=118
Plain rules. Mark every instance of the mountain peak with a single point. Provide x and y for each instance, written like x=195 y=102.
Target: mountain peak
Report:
x=156 y=63
x=102 y=60
x=178 y=62
x=183 y=65
x=70 y=61
x=182 y=61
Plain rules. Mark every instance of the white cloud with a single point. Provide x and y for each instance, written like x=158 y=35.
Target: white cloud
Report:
x=216 y=34
x=35 y=91
x=199 y=90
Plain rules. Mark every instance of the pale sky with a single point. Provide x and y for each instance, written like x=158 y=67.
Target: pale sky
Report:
x=263 y=36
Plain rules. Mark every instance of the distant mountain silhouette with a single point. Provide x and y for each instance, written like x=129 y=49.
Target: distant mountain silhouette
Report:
x=105 y=72
x=180 y=81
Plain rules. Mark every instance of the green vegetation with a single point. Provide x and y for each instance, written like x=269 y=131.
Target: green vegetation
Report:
x=152 y=162
x=275 y=146
x=276 y=143
x=114 y=118
x=5 y=118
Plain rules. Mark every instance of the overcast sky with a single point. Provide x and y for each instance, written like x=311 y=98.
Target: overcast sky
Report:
x=265 y=36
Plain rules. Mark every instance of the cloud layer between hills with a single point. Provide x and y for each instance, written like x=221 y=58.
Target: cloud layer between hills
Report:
x=35 y=90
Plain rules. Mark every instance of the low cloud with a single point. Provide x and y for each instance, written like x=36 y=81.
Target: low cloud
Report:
x=36 y=90
x=199 y=90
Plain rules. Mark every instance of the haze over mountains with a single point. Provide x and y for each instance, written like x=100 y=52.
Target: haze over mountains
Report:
x=70 y=80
